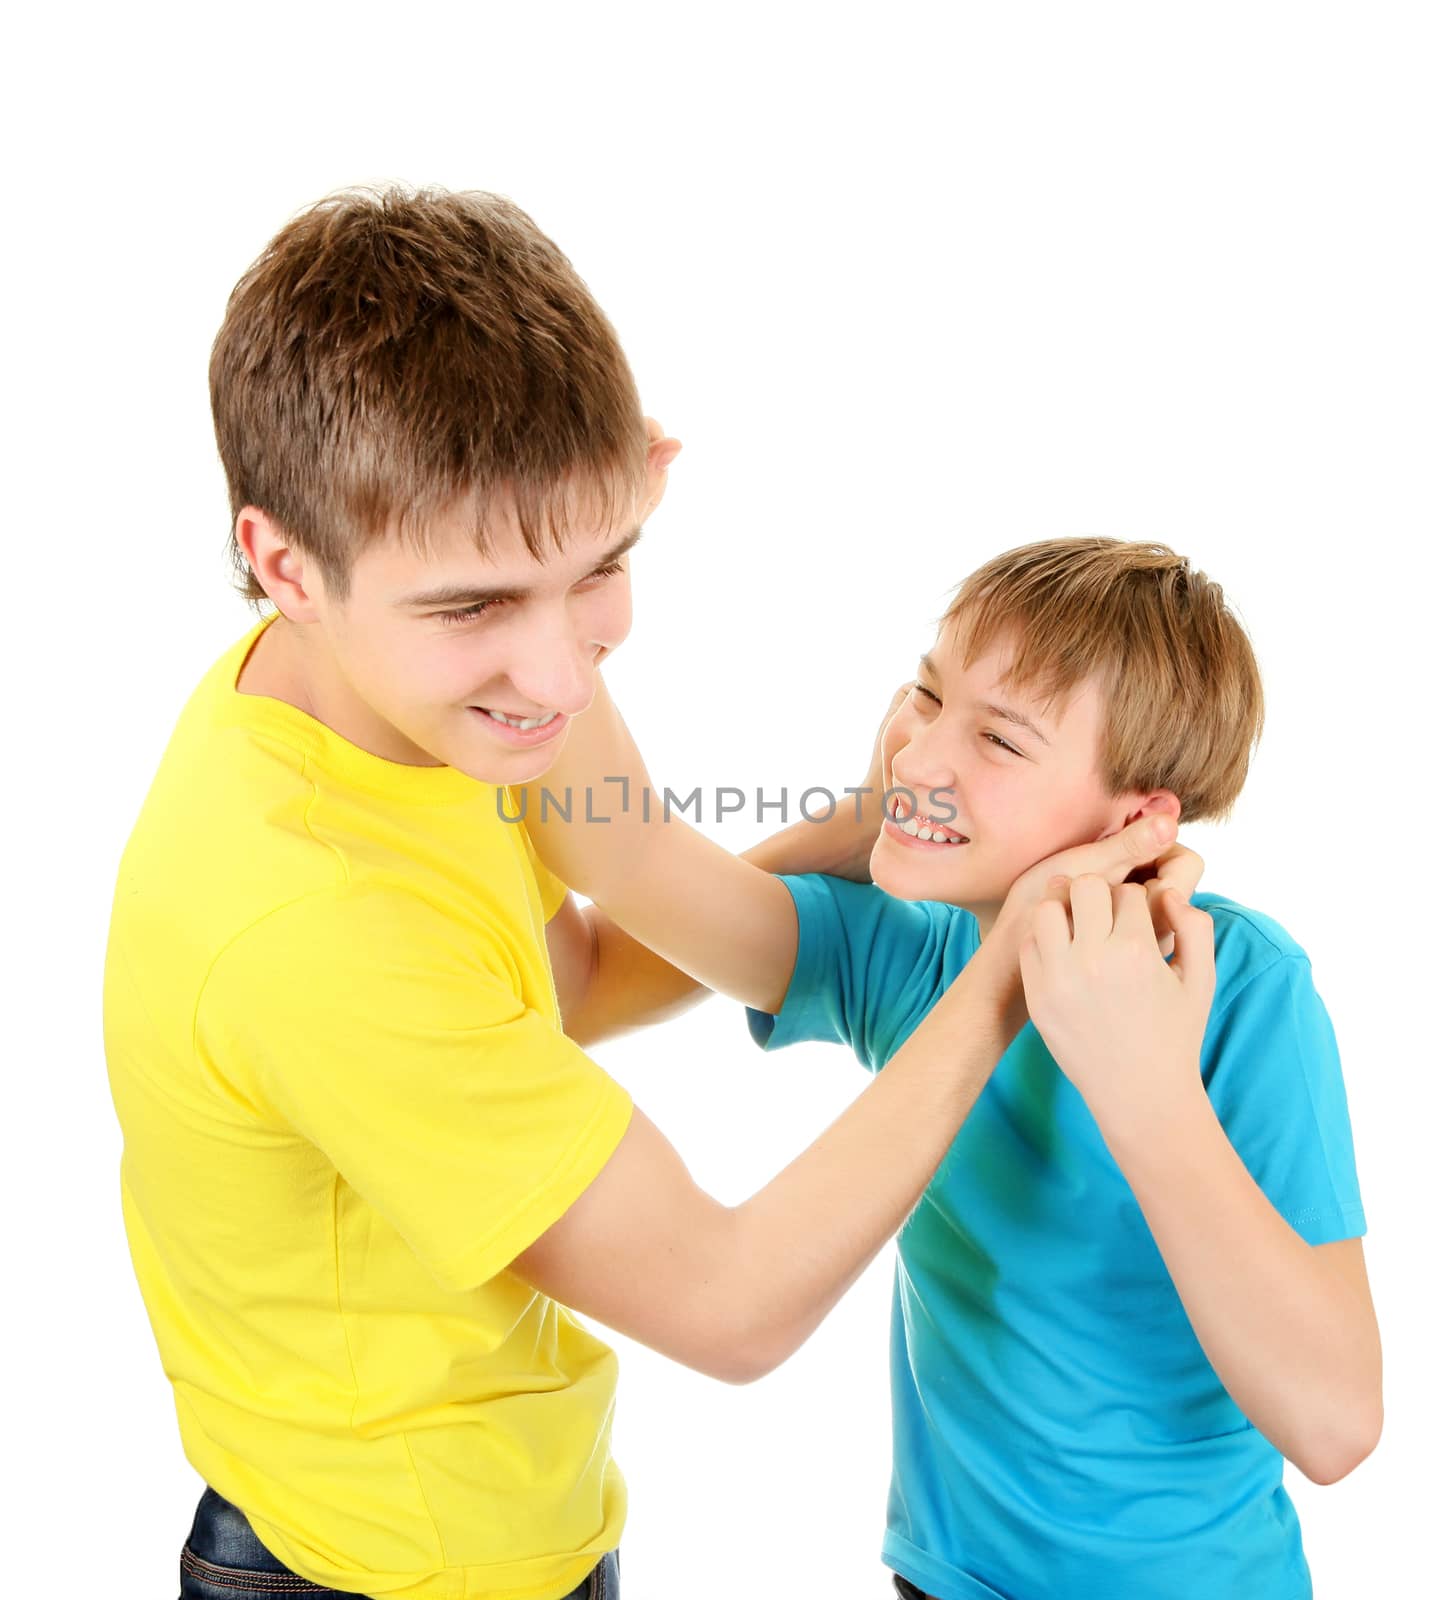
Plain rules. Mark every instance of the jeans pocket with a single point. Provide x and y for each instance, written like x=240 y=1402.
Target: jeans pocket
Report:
x=224 y=1560
x=602 y=1583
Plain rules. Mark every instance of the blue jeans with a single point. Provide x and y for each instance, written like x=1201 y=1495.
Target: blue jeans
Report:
x=224 y=1560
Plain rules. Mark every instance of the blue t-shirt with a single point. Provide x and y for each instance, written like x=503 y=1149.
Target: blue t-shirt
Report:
x=1057 y=1427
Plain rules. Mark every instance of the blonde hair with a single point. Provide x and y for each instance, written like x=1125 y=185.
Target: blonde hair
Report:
x=1181 y=693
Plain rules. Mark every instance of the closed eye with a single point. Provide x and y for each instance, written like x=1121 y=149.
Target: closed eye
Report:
x=469 y=613
x=995 y=739
x=472 y=612
x=928 y=694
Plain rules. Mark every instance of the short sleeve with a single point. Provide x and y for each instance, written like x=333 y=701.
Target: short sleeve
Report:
x=868 y=967
x=1273 y=1074
x=552 y=891
x=362 y=1019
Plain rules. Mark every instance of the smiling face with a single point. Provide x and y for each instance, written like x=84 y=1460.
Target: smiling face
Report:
x=429 y=652
x=1010 y=782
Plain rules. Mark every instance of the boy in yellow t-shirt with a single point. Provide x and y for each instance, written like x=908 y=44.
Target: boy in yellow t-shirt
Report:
x=367 y=1161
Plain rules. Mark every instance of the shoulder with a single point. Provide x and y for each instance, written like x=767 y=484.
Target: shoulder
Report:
x=863 y=911
x=1248 y=943
x=372 y=929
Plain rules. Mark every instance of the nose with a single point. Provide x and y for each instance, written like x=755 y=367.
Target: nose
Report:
x=920 y=766
x=554 y=667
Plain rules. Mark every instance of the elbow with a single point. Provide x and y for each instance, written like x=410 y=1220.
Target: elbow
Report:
x=744 y=1357
x=1338 y=1455
x=744 y=1343
x=739 y=1370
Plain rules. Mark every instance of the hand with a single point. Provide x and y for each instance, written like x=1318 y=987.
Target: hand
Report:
x=662 y=452
x=863 y=812
x=1152 y=856
x=1147 y=842
x=1124 y=1027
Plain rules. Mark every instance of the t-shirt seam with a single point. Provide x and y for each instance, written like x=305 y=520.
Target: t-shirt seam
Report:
x=1251 y=920
x=1314 y=1213
x=1221 y=1007
x=1339 y=1206
x=230 y=944
x=422 y=1494
x=336 y=1180
x=455 y=1269
x=325 y=844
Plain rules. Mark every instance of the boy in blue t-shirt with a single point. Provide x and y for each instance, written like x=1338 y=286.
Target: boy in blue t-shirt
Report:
x=1136 y=1282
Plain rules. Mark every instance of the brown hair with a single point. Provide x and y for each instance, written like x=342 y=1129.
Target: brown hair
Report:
x=1182 y=698
x=394 y=353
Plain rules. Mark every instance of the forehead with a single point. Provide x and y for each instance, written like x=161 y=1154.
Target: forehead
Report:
x=989 y=679
x=486 y=546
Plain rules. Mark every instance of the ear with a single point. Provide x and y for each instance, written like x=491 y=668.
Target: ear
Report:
x=1158 y=803
x=292 y=584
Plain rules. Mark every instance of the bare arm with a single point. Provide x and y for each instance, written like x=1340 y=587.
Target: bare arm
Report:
x=722 y=920
x=717 y=921
x=610 y=984
x=1288 y=1327
x=733 y=1291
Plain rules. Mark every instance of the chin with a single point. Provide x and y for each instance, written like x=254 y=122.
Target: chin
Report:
x=906 y=881
x=908 y=877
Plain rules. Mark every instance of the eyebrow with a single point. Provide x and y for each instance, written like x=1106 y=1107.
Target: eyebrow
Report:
x=1004 y=713
x=462 y=594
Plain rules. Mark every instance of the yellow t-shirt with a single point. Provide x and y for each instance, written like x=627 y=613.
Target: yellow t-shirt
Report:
x=336 y=1057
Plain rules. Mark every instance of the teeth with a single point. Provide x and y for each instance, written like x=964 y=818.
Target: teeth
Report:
x=520 y=722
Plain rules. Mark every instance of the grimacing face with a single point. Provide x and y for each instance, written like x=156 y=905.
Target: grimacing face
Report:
x=1006 y=783
x=429 y=651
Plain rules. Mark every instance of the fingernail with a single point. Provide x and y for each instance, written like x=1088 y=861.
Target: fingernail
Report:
x=1162 y=828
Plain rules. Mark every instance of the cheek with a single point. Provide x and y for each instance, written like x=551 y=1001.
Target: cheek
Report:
x=608 y=617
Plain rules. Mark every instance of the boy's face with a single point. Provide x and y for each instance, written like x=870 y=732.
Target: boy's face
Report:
x=1018 y=793
x=427 y=651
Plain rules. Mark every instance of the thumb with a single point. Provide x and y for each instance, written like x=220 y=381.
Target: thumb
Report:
x=1194 y=932
x=1146 y=839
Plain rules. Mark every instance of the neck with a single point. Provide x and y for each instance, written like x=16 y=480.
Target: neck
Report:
x=290 y=664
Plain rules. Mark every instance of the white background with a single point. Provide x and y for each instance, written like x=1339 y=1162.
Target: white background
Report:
x=914 y=285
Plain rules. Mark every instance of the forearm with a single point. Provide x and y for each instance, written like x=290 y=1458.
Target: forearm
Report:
x=631 y=986
x=797 y=1245
x=1289 y=1337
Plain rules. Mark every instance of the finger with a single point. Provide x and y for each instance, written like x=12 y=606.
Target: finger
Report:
x=1159 y=921
x=1130 y=907
x=1089 y=898
x=1050 y=925
x=1115 y=857
x=1194 y=945
x=1180 y=868
x=1142 y=843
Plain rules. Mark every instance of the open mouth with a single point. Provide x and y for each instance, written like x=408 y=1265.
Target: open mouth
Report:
x=523 y=723
x=903 y=824
x=521 y=730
